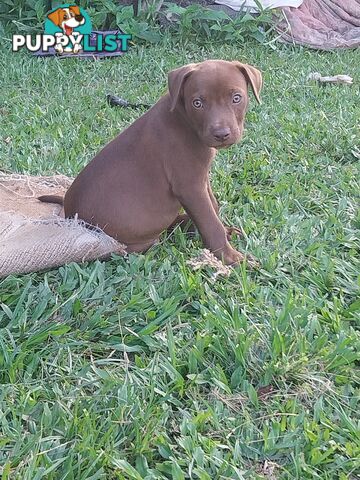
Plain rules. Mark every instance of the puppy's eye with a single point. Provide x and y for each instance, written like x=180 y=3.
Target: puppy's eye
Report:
x=237 y=98
x=197 y=103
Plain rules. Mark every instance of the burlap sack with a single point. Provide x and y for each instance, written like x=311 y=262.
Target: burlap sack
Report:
x=35 y=236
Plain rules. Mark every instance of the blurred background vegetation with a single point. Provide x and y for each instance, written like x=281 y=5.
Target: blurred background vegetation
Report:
x=147 y=20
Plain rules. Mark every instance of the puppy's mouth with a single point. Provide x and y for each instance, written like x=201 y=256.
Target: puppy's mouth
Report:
x=68 y=30
x=225 y=144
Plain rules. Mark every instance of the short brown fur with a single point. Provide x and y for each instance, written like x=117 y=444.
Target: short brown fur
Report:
x=136 y=186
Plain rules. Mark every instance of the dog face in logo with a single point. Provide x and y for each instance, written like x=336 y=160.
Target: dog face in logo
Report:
x=67 y=18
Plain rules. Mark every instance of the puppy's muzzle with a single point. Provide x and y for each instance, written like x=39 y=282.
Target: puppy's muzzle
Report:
x=221 y=134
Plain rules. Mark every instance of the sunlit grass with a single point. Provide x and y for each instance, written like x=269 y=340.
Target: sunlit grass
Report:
x=143 y=368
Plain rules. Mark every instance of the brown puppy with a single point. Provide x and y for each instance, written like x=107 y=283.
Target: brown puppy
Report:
x=136 y=186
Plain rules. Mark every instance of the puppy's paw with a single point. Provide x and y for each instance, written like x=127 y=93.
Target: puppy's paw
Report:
x=59 y=49
x=77 y=48
x=233 y=257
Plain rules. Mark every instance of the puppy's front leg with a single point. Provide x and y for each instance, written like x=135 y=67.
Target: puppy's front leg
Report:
x=198 y=205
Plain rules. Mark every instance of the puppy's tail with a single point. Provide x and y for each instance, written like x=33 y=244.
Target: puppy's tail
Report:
x=52 y=199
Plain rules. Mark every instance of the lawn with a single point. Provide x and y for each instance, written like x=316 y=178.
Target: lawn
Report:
x=141 y=367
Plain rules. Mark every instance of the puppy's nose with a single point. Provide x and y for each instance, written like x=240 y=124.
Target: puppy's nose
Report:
x=79 y=18
x=221 y=134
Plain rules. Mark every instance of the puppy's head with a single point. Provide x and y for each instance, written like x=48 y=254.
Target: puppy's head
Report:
x=67 y=17
x=213 y=95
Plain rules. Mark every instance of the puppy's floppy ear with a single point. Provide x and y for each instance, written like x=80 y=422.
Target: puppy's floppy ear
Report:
x=57 y=16
x=176 y=80
x=253 y=76
x=75 y=9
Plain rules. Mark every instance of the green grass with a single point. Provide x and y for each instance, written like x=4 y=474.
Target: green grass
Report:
x=142 y=368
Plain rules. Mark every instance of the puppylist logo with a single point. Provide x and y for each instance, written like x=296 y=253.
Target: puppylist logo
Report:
x=68 y=30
